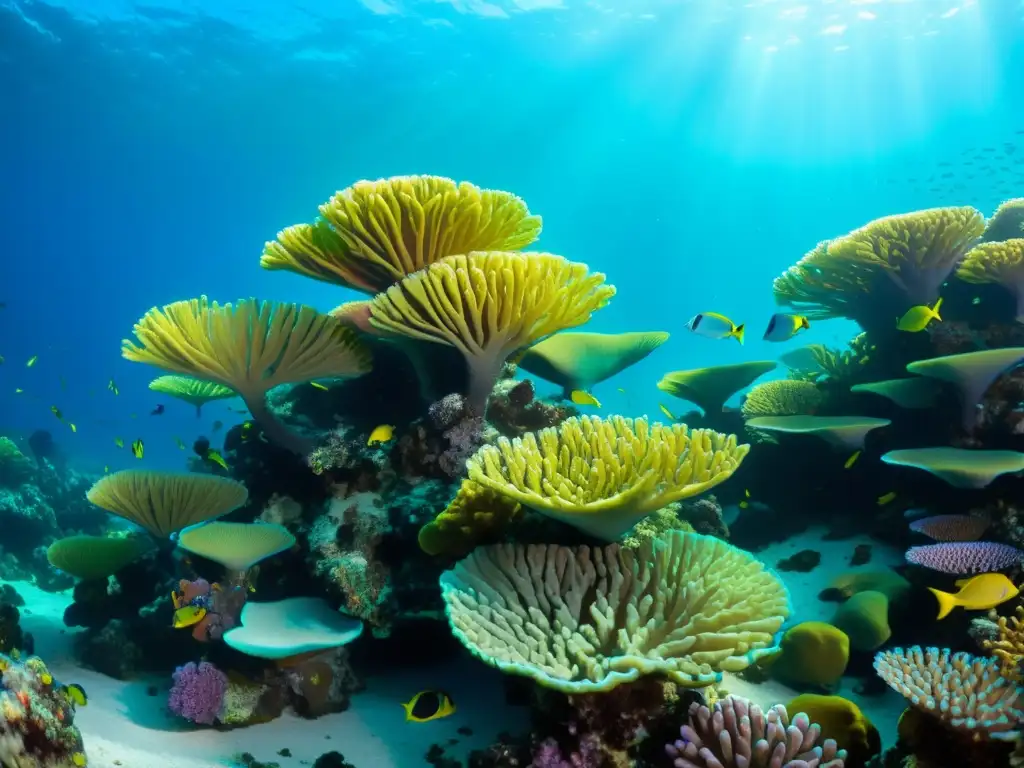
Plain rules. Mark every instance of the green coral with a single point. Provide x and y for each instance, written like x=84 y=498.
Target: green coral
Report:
x=15 y=467
x=837 y=365
x=783 y=397
x=241 y=700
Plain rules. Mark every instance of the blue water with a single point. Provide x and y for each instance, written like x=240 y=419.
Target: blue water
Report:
x=690 y=150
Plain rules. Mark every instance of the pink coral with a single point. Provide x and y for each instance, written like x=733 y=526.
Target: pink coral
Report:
x=965 y=557
x=951 y=527
x=198 y=692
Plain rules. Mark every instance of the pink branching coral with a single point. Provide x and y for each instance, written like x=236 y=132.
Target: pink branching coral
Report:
x=198 y=692
x=951 y=527
x=738 y=734
x=965 y=557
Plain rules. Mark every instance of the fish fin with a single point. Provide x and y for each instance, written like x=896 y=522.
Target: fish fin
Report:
x=407 y=706
x=962 y=582
x=947 y=602
x=805 y=323
x=738 y=332
x=935 y=309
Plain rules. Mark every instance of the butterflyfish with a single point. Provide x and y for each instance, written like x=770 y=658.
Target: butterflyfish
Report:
x=852 y=460
x=188 y=616
x=31 y=361
x=784 y=326
x=580 y=397
x=381 y=434
x=138 y=449
x=668 y=414
x=428 y=705
x=978 y=593
x=917 y=318
x=712 y=325
x=317 y=385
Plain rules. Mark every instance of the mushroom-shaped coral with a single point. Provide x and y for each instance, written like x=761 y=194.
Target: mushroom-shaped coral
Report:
x=960 y=467
x=96 y=557
x=162 y=502
x=951 y=527
x=584 y=620
x=1001 y=263
x=971 y=373
x=290 y=628
x=602 y=476
x=251 y=347
x=1007 y=222
x=915 y=252
x=374 y=233
x=967 y=693
x=710 y=388
x=782 y=397
x=965 y=557
x=906 y=393
x=578 y=361
x=475 y=514
x=236 y=546
x=846 y=432
x=736 y=733
x=193 y=391
x=489 y=304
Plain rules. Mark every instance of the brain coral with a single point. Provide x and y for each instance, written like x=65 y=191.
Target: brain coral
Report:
x=586 y=619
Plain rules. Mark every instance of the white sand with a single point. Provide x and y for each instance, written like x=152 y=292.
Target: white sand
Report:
x=125 y=727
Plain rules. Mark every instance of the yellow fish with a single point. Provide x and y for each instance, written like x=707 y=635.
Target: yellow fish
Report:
x=138 y=450
x=428 y=705
x=978 y=593
x=852 y=460
x=75 y=693
x=46 y=678
x=56 y=412
x=188 y=615
x=79 y=759
x=664 y=409
x=381 y=434
x=178 y=441
x=119 y=442
x=917 y=318
x=317 y=385
x=113 y=387
x=784 y=326
x=31 y=361
x=217 y=459
x=620 y=389
x=19 y=391
x=580 y=397
x=746 y=499
x=883 y=500
x=712 y=325
x=73 y=427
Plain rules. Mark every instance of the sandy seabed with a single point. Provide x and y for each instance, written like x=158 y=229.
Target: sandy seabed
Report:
x=124 y=726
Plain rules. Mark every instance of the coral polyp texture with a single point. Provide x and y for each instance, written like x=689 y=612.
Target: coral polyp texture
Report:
x=602 y=476
x=965 y=557
x=1000 y=263
x=912 y=252
x=967 y=693
x=374 y=233
x=586 y=619
x=1008 y=645
x=783 y=397
x=736 y=733
x=1007 y=222
x=37 y=718
x=251 y=347
x=487 y=305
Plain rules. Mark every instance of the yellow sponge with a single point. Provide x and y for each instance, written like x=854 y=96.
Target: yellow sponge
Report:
x=842 y=721
x=474 y=515
x=812 y=652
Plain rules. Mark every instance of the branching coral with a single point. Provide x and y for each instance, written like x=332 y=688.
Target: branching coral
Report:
x=965 y=692
x=915 y=252
x=489 y=304
x=737 y=733
x=250 y=347
x=588 y=619
x=374 y=233
x=1008 y=645
x=604 y=476
x=1001 y=263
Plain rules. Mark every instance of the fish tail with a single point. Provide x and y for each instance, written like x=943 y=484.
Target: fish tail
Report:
x=738 y=332
x=935 y=309
x=805 y=323
x=407 y=706
x=947 y=602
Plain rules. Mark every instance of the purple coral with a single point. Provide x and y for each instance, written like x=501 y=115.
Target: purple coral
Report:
x=739 y=733
x=463 y=440
x=965 y=557
x=198 y=692
x=447 y=411
x=550 y=755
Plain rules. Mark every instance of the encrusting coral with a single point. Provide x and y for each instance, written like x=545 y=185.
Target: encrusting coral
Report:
x=1001 y=263
x=588 y=619
x=602 y=476
x=488 y=304
x=250 y=347
x=374 y=233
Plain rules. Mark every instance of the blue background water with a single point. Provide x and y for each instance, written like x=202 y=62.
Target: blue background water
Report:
x=690 y=150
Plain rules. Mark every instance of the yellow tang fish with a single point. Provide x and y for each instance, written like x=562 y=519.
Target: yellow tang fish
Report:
x=216 y=458
x=712 y=325
x=119 y=442
x=885 y=499
x=917 y=318
x=428 y=705
x=31 y=361
x=852 y=460
x=138 y=449
x=381 y=434
x=580 y=397
x=978 y=593
x=188 y=615
x=784 y=326
x=664 y=409
x=318 y=385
